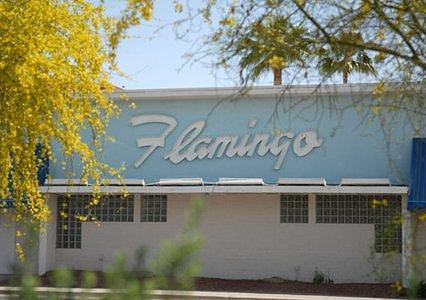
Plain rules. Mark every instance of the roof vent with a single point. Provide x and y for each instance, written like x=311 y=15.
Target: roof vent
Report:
x=181 y=181
x=65 y=181
x=302 y=181
x=365 y=181
x=240 y=181
x=125 y=182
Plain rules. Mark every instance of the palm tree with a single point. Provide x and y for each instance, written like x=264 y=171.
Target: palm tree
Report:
x=272 y=44
x=347 y=59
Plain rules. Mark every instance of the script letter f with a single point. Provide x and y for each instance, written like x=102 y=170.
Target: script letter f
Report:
x=152 y=142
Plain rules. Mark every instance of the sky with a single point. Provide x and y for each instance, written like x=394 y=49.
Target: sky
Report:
x=152 y=57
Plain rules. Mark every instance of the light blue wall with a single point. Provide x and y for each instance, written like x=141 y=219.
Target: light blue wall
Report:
x=354 y=150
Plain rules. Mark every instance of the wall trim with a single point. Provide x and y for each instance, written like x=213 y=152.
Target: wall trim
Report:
x=228 y=189
x=251 y=92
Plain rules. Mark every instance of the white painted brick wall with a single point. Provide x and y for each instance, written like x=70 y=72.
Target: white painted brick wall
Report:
x=7 y=244
x=243 y=238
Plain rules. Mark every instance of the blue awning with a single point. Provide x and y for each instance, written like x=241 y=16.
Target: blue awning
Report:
x=7 y=203
x=42 y=173
x=417 y=192
x=43 y=170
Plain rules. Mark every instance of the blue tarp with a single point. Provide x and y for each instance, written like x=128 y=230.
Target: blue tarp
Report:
x=417 y=194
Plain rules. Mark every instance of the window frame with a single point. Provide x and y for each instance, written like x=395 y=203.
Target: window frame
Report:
x=387 y=233
x=294 y=208
x=154 y=208
x=69 y=228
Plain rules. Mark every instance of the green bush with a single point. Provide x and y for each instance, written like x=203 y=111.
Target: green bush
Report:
x=416 y=287
x=320 y=277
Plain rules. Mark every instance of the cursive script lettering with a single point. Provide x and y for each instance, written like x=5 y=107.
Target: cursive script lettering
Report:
x=191 y=145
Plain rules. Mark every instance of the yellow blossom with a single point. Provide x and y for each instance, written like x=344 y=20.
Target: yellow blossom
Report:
x=228 y=21
x=397 y=286
x=56 y=58
x=376 y=110
x=379 y=89
x=276 y=62
x=81 y=218
x=377 y=203
x=20 y=252
x=178 y=6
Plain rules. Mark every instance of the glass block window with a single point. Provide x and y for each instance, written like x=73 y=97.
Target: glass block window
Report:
x=294 y=208
x=154 y=208
x=68 y=228
x=381 y=210
x=388 y=238
x=112 y=208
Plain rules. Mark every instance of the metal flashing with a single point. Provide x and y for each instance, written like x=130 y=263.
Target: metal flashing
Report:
x=301 y=181
x=365 y=182
x=180 y=181
x=240 y=181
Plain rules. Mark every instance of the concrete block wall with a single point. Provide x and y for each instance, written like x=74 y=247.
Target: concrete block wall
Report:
x=8 y=241
x=7 y=245
x=419 y=244
x=243 y=238
x=47 y=243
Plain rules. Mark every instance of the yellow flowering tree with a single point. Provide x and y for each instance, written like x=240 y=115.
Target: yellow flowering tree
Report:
x=56 y=57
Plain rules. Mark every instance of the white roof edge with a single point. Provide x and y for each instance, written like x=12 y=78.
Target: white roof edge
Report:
x=180 y=181
x=65 y=181
x=301 y=181
x=365 y=181
x=240 y=181
x=107 y=181
x=126 y=181
x=255 y=189
x=257 y=91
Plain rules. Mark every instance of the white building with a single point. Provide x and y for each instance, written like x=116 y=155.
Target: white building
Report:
x=286 y=193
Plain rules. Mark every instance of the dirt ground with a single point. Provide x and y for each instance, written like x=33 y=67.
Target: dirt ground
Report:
x=295 y=287
x=272 y=286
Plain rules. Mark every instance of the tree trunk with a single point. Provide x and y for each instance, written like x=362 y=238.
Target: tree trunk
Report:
x=345 y=77
x=278 y=76
x=346 y=60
